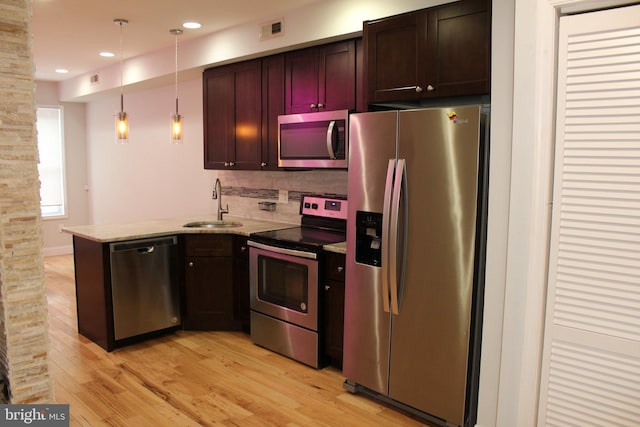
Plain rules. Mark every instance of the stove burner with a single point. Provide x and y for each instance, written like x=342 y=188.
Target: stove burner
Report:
x=319 y=227
x=300 y=237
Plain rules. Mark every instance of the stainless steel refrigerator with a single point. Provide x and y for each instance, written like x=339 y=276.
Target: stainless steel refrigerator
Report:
x=415 y=259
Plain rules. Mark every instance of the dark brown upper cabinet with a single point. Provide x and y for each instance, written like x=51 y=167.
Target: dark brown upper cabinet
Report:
x=321 y=78
x=442 y=51
x=242 y=101
x=233 y=116
x=272 y=106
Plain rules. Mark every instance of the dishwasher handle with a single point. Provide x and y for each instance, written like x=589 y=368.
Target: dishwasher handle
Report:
x=143 y=246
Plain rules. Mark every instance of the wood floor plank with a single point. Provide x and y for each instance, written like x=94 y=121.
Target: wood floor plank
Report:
x=192 y=378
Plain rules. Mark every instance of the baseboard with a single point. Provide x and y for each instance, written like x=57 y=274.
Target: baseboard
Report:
x=58 y=250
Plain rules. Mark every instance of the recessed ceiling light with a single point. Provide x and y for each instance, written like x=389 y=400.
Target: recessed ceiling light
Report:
x=107 y=54
x=62 y=70
x=192 y=25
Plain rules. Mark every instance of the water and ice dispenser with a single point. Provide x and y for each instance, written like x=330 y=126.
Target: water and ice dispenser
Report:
x=369 y=238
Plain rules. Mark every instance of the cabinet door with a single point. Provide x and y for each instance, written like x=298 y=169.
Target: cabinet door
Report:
x=333 y=307
x=392 y=47
x=208 y=282
x=248 y=115
x=241 y=282
x=273 y=101
x=219 y=103
x=321 y=78
x=233 y=116
x=334 y=321
x=337 y=76
x=209 y=293
x=436 y=52
x=301 y=91
x=361 y=93
x=459 y=35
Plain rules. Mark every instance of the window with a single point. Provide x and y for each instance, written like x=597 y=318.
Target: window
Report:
x=51 y=164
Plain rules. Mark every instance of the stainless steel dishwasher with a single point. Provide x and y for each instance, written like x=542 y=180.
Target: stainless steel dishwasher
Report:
x=144 y=286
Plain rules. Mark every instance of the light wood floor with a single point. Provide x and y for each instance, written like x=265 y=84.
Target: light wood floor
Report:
x=191 y=378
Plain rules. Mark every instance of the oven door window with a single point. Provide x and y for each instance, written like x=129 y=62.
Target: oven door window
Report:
x=283 y=283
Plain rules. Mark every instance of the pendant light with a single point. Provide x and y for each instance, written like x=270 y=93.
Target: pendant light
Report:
x=122 y=119
x=176 y=118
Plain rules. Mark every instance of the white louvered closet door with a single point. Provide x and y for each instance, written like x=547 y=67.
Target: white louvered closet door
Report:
x=591 y=357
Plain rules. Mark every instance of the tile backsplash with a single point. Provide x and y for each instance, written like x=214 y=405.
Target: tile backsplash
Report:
x=244 y=190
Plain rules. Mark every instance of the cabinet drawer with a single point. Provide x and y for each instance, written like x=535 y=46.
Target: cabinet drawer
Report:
x=208 y=245
x=334 y=266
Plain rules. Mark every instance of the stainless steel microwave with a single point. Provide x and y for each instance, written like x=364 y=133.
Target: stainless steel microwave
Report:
x=314 y=140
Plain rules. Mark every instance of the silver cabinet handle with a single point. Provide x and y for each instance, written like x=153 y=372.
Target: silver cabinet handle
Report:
x=320 y=105
x=327 y=287
x=419 y=89
x=340 y=269
x=190 y=263
x=226 y=164
x=263 y=164
x=313 y=105
x=430 y=88
x=243 y=249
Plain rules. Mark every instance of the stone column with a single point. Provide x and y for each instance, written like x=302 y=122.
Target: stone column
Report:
x=24 y=342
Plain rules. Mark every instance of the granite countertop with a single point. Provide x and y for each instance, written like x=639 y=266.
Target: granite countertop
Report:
x=339 y=248
x=106 y=233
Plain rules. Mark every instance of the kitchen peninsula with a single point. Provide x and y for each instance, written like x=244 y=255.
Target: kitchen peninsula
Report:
x=205 y=266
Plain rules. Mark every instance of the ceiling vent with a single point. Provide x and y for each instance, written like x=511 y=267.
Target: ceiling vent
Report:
x=94 y=79
x=272 y=29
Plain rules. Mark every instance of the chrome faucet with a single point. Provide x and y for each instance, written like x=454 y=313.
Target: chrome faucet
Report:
x=217 y=194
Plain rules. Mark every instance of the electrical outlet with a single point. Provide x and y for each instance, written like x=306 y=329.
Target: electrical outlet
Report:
x=283 y=196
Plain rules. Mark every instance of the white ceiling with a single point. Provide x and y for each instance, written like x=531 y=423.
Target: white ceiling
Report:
x=71 y=33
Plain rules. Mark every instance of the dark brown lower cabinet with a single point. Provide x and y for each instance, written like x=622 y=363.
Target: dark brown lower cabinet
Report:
x=208 y=282
x=241 y=282
x=93 y=291
x=333 y=307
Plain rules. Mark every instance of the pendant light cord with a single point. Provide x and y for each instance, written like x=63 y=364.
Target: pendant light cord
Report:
x=177 y=32
x=121 y=23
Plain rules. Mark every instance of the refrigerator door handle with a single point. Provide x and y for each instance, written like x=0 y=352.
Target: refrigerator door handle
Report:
x=386 y=221
x=399 y=184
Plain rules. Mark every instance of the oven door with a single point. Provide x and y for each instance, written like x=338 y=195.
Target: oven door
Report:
x=284 y=284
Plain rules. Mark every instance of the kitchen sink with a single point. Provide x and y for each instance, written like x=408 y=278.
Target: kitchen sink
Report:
x=212 y=224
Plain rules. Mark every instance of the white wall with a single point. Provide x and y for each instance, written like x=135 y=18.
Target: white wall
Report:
x=54 y=241
x=148 y=177
x=320 y=21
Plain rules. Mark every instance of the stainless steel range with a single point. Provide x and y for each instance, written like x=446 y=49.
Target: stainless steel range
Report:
x=284 y=270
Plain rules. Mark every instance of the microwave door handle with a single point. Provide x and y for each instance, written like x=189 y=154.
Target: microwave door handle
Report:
x=330 y=139
x=386 y=221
